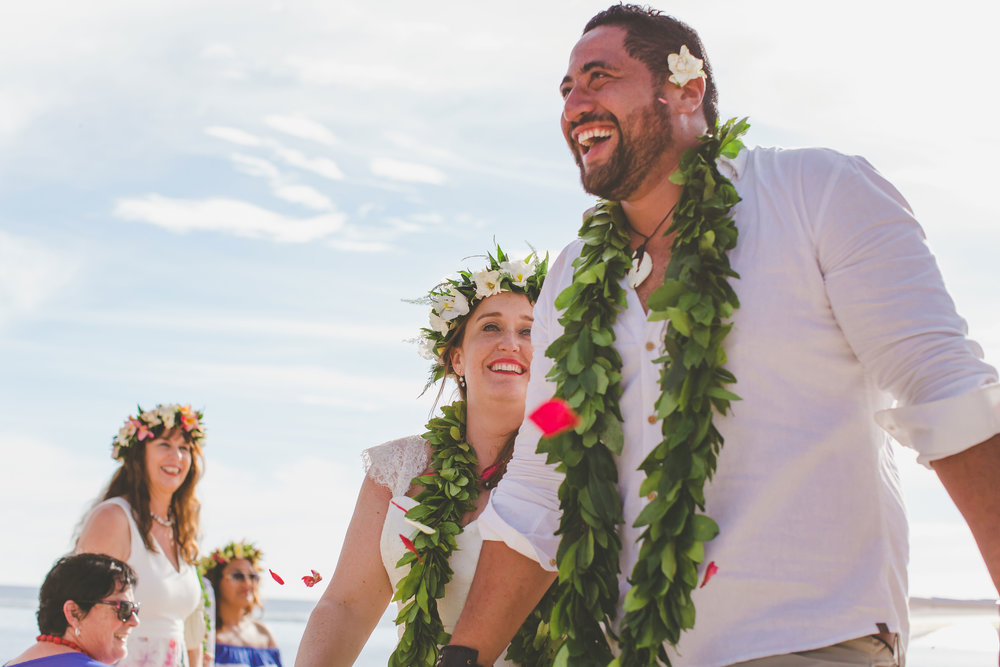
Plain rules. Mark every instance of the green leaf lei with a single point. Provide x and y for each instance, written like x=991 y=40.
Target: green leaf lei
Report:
x=697 y=300
x=449 y=493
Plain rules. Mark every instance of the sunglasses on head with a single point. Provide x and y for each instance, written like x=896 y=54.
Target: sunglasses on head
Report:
x=240 y=577
x=123 y=608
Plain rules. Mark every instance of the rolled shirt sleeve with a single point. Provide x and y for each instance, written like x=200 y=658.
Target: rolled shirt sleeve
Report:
x=890 y=300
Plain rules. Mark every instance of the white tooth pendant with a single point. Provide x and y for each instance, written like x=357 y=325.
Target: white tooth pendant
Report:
x=642 y=265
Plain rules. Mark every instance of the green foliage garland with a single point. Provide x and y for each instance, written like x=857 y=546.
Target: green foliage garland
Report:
x=449 y=493
x=697 y=299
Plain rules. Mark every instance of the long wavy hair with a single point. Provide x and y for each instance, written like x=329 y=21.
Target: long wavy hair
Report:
x=131 y=482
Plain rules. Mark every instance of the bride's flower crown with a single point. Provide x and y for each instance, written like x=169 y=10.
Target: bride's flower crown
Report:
x=453 y=299
x=231 y=551
x=150 y=424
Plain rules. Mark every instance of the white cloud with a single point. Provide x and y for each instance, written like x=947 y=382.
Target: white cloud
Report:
x=303 y=383
x=247 y=325
x=30 y=274
x=302 y=128
x=409 y=172
x=304 y=195
x=234 y=135
x=255 y=166
x=325 y=167
x=227 y=216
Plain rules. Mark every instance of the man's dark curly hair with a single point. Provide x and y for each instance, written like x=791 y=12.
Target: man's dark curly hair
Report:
x=85 y=579
x=650 y=37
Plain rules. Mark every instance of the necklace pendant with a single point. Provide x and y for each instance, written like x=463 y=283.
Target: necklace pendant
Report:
x=642 y=266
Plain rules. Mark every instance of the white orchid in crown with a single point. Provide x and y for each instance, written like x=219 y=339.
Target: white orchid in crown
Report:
x=518 y=270
x=684 y=67
x=438 y=323
x=451 y=304
x=487 y=283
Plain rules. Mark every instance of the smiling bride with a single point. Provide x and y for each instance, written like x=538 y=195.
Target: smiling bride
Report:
x=413 y=537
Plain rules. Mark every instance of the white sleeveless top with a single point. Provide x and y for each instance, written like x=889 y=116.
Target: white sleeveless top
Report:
x=394 y=465
x=171 y=604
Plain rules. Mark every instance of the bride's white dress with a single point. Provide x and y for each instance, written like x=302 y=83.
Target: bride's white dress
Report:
x=394 y=465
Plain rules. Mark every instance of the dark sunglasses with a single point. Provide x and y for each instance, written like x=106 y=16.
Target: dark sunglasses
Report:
x=123 y=608
x=240 y=577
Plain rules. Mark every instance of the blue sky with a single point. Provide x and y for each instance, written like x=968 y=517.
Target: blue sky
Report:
x=226 y=203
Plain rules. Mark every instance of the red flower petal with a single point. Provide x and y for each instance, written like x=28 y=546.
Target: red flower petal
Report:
x=554 y=417
x=312 y=580
x=710 y=571
x=277 y=578
x=409 y=547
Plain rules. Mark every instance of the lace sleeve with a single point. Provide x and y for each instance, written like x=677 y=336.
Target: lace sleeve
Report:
x=395 y=463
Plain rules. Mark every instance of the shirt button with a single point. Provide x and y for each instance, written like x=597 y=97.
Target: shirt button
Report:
x=650 y=345
x=651 y=419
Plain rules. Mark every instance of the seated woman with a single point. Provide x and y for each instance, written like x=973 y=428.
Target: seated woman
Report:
x=86 y=610
x=240 y=639
x=413 y=537
x=148 y=517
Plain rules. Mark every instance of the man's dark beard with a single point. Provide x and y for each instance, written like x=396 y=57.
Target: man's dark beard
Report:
x=644 y=137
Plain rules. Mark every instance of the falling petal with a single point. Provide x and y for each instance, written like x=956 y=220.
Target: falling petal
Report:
x=409 y=547
x=276 y=577
x=554 y=416
x=313 y=579
x=710 y=571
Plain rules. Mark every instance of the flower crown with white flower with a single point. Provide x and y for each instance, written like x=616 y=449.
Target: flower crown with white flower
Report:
x=684 y=67
x=454 y=298
x=231 y=551
x=151 y=424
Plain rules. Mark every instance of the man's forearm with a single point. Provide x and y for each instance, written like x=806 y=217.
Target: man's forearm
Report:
x=972 y=479
x=507 y=586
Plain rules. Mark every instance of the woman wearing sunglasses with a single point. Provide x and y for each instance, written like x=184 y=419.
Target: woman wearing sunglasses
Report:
x=86 y=611
x=240 y=639
x=148 y=517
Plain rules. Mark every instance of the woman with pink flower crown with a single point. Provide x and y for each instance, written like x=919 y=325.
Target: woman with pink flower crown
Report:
x=414 y=536
x=148 y=517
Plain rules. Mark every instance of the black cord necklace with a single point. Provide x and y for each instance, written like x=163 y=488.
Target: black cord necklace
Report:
x=642 y=264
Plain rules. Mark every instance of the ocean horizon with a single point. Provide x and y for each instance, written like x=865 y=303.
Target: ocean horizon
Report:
x=944 y=632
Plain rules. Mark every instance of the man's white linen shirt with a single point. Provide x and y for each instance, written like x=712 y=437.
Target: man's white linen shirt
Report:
x=843 y=310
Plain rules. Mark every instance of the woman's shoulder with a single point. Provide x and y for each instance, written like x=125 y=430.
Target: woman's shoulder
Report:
x=393 y=464
x=107 y=529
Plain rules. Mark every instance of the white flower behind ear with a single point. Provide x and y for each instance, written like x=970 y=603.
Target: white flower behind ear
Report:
x=519 y=271
x=487 y=283
x=684 y=67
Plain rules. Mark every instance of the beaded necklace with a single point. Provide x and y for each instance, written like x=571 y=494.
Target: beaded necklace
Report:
x=53 y=639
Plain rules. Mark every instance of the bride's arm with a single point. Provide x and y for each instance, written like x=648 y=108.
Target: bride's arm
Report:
x=359 y=590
